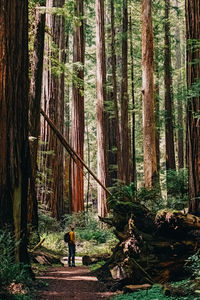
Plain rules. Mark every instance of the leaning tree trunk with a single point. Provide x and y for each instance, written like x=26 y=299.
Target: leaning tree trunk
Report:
x=77 y=128
x=149 y=140
x=53 y=104
x=193 y=75
x=14 y=158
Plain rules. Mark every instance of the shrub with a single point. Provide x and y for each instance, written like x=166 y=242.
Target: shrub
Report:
x=9 y=270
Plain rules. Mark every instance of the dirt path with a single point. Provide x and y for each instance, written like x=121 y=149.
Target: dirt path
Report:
x=71 y=283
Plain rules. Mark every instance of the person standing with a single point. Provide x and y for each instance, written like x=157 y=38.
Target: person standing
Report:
x=72 y=247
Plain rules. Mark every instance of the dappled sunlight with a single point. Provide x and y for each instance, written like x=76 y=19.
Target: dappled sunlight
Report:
x=78 y=278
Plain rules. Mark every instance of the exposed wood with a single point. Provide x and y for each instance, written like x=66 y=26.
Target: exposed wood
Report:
x=71 y=151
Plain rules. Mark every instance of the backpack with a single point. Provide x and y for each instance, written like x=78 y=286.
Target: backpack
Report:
x=67 y=237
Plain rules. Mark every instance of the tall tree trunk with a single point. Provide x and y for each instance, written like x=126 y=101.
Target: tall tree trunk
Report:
x=14 y=158
x=53 y=105
x=169 y=130
x=134 y=171
x=114 y=151
x=77 y=129
x=193 y=76
x=34 y=113
x=124 y=99
x=149 y=141
x=101 y=97
x=179 y=97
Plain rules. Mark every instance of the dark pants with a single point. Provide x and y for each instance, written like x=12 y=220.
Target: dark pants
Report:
x=72 y=249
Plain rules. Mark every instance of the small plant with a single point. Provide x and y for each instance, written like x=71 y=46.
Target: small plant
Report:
x=192 y=264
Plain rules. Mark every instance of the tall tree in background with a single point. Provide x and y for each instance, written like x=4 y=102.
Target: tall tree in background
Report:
x=179 y=95
x=101 y=97
x=34 y=112
x=77 y=128
x=193 y=77
x=134 y=171
x=149 y=141
x=169 y=130
x=114 y=155
x=53 y=105
x=14 y=158
x=125 y=139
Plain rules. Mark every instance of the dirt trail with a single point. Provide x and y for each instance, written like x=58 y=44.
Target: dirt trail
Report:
x=71 y=283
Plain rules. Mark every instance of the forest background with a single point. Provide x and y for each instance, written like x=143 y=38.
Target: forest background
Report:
x=116 y=80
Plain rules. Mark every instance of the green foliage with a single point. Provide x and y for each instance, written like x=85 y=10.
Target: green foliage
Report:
x=177 y=185
x=192 y=264
x=155 y=293
x=10 y=271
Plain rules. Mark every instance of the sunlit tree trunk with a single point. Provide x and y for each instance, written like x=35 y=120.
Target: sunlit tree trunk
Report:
x=34 y=113
x=169 y=130
x=53 y=105
x=193 y=76
x=77 y=128
x=124 y=99
x=101 y=97
x=149 y=141
x=14 y=158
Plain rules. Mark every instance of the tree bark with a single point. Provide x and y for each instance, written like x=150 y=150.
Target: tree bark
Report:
x=149 y=141
x=134 y=171
x=169 y=129
x=100 y=110
x=14 y=158
x=77 y=128
x=193 y=107
x=124 y=99
x=34 y=113
x=53 y=104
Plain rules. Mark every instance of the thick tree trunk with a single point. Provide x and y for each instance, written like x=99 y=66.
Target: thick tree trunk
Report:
x=169 y=129
x=53 y=104
x=34 y=113
x=149 y=141
x=77 y=128
x=14 y=158
x=100 y=110
x=124 y=99
x=193 y=75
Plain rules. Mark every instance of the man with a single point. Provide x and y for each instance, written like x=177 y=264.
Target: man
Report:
x=72 y=247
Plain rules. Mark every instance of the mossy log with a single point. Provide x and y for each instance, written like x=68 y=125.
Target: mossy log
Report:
x=152 y=248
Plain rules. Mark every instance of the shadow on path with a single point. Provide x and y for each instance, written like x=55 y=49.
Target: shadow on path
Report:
x=71 y=283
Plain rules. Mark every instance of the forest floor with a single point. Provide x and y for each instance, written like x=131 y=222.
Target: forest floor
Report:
x=65 y=283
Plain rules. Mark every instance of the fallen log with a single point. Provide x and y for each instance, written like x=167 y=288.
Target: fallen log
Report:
x=151 y=248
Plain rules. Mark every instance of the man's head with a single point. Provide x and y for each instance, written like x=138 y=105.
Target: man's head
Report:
x=72 y=227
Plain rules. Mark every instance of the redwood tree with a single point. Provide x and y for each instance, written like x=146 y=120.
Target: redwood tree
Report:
x=14 y=158
x=169 y=130
x=124 y=99
x=53 y=104
x=101 y=97
x=77 y=129
x=149 y=141
x=193 y=76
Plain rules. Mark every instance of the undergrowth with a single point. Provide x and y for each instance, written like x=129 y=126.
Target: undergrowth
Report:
x=10 y=271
